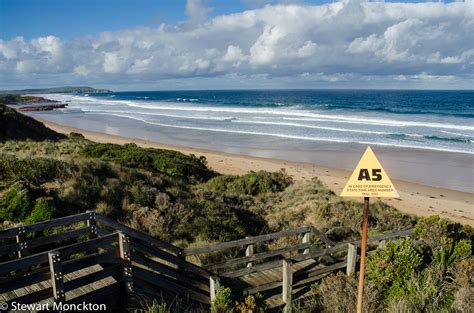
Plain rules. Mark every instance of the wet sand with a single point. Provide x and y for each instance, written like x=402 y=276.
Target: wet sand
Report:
x=417 y=199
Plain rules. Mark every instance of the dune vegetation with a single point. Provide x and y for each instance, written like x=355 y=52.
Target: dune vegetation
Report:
x=178 y=198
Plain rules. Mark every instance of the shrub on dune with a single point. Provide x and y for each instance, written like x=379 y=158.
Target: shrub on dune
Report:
x=252 y=183
x=33 y=170
x=15 y=204
x=169 y=162
x=311 y=203
x=42 y=211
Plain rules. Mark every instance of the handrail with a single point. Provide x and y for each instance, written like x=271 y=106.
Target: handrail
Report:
x=181 y=262
x=258 y=256
x=61 y=221
x=138 y=235
x=343 y=246
x=312 y=255
x=245 y=241
x=39 y=258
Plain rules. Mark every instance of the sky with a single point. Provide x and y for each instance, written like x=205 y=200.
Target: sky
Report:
x=247 y=44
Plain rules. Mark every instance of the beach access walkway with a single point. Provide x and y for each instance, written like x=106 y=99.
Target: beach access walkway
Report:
x=89 y=258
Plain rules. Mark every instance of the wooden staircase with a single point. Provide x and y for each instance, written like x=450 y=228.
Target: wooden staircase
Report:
x=89 y=258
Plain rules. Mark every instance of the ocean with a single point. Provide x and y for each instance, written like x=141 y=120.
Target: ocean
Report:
x=432 y=120
x=419 y=136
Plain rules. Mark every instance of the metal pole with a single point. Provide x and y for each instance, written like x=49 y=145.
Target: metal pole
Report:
x=363 y=247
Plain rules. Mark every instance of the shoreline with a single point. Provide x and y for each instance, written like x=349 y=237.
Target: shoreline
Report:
x=416 y=199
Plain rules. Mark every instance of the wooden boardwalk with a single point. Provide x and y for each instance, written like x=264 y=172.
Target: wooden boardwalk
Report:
x=269 y=283
x=72 y=294
x=96 y=260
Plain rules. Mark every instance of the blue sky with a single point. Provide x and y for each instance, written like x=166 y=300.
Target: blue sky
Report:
x=135 y=44
x=72 y=18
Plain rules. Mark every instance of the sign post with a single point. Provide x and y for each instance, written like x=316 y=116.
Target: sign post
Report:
x=369 y=179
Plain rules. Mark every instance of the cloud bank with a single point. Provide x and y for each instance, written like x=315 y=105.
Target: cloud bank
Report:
x=340 y=44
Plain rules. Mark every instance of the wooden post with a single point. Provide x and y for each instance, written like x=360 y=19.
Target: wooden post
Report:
x=351 y=259
x=92 y=223
x=305 y=239
x=287 y=284
x=124 y=246
x=365 y=225
x=249 y=252
x=382 y=244
x=57 y=277
x=214 y=285
x=21 y=239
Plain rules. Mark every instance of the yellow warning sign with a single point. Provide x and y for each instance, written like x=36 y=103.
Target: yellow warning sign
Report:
x=369 y=179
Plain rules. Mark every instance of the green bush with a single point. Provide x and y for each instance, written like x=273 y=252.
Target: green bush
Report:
x=252 y=304
x=63 y=149
x=437 y=231
x=170 y=162
x=253 y=183
x=112 y=192
x=142 y=194
x=426 y=291
x=155 y=307
x=77 y=136
x=15 y=205
x=222 y=218
x=449 y=254
x=464 y=284
x=338 y=293
x=81 y=192
x=33 y=170
x=42 y=211
x=449 y=242
x=392 y=267
x=223 y=302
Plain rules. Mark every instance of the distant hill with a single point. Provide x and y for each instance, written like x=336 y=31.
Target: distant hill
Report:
x=16 y=126
x=57 y=90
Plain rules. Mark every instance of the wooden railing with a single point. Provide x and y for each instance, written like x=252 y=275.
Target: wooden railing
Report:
x=252 y=257
x=49 y=269
x=107 y=259
x=91 y=258
x=281 y=261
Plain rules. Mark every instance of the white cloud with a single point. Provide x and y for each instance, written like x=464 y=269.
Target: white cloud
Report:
x=233 y=54
x=197 y=10
x=307 y=49
x=346 y=41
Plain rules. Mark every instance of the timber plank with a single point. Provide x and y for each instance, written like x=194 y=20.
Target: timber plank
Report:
x=167 y=285
x=96 y=294
x=182 y=263
x=25 y=280
x=253 y=269
x=92 y=277
x=164 y=270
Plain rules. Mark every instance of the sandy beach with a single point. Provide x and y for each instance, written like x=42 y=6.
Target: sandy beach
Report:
x=417 y=199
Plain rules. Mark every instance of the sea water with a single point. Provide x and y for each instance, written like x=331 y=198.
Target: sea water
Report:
x=433 y=120
x=421 y=136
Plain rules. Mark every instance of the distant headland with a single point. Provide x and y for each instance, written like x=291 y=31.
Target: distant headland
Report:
x=67 y=89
